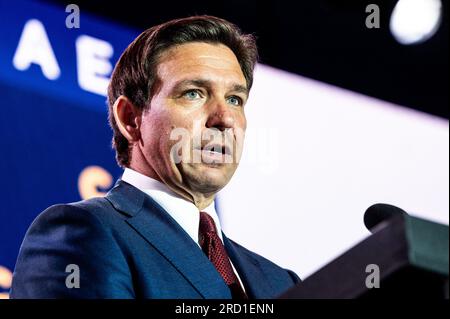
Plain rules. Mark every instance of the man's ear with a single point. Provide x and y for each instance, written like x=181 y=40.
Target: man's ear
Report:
x=128 y=118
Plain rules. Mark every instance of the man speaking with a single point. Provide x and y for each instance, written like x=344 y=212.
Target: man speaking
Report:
x=176 y=107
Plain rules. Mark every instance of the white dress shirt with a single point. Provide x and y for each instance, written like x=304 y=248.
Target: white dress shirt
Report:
x=185 y=213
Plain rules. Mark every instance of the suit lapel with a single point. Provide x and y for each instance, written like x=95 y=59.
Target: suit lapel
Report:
x=255 y=281
x=159 y=229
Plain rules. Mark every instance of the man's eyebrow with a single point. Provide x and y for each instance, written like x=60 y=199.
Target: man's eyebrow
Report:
x=193 y=82
x=208 y=84
x=240 y=89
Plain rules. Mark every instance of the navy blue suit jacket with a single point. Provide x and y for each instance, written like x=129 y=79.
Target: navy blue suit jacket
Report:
x=127 y=246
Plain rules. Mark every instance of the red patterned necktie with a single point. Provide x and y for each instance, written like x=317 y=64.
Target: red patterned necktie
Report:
x=213 y=248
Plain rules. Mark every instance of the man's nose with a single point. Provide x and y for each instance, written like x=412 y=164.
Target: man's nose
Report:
x=220 y=116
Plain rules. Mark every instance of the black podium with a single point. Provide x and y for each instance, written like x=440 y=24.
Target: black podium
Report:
x=409 y=254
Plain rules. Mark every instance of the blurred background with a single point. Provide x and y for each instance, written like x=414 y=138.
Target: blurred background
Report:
x=349 y=108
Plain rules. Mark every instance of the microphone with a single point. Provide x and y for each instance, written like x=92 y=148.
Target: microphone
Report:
x=378 y=213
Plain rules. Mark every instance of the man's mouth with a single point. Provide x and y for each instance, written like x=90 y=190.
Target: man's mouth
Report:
x=217 y=149
x=215 y=153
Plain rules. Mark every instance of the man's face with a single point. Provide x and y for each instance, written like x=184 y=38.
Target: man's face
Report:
x=198 y=106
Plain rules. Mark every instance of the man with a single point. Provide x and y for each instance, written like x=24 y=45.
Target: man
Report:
x=176 y=107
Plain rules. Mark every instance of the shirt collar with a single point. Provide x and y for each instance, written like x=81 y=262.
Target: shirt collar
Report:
x=185 y=213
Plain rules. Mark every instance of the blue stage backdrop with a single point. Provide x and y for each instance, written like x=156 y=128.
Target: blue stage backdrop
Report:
x=55 y=140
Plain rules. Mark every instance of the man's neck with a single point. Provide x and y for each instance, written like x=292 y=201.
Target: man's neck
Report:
x=200 y=200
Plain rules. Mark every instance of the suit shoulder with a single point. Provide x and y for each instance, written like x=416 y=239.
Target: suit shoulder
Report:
x=266 y=264
x=94 y=209
x=70 y=234
x=64 y=215
x=256 y=257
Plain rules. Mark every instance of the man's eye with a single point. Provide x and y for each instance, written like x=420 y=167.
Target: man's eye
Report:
x=235 y=100
x=192 y=94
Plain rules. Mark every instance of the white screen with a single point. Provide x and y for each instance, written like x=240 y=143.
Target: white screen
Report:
x=316 y=157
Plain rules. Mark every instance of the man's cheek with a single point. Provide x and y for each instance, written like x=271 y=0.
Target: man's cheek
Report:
x=179 y=146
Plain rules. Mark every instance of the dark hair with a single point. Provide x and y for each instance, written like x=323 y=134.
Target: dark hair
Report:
x=134 y=75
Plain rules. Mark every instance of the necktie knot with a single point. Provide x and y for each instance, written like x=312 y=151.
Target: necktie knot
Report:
x=207 y=224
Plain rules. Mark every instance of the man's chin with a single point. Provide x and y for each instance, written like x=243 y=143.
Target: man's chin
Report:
x=208 y=177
